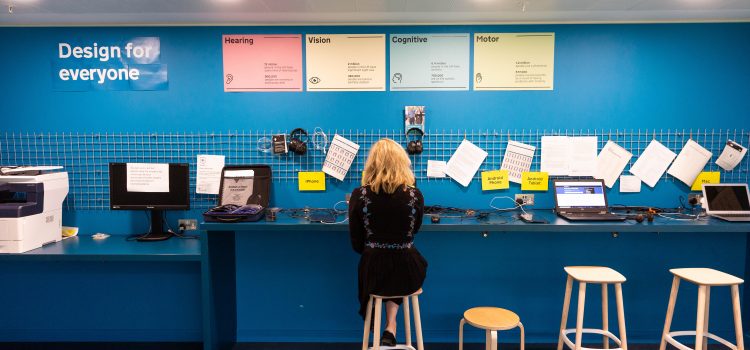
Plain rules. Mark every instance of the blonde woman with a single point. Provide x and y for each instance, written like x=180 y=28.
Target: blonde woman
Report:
x=384 y=215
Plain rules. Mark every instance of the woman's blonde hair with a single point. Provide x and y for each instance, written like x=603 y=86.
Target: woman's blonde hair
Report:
x=387 y=167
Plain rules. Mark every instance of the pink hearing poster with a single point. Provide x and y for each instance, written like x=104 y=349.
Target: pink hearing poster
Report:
x=263 y=62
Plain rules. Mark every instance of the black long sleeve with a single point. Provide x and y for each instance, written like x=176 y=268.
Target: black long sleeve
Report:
x=356 y=224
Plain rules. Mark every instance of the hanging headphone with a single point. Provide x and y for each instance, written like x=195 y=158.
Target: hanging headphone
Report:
x=415 y=146
x=296 y=143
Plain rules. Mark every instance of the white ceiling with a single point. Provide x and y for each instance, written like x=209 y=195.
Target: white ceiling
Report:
x=276 y=12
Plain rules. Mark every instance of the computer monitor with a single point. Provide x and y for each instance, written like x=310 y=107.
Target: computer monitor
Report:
x=139 y=186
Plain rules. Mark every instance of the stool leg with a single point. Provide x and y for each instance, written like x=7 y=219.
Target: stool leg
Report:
x=368 y=319
x=670 y=312
x=407 y=321
x=737 y=316
x=461 y=334
x=493 y=340
x=579 y=317
x=566 y=306
x=699 y=317
x=417 y=322
x=523 y=337
x=376 y=329
x=705 y=317
x=605 y=315
x=621 y=316
x=487 y=340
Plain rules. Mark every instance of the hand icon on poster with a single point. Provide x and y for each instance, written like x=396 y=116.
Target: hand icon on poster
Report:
x=229 y=79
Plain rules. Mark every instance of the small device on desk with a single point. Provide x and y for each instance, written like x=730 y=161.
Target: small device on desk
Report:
x=582 y=200
x=729 y=202
x=529 y=218
x=31 y=210
x=140 y=186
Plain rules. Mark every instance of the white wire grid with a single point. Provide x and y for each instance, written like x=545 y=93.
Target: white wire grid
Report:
x=86 y=156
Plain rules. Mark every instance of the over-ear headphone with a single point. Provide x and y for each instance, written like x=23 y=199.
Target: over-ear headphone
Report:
x=296 y=143
x=415 y=146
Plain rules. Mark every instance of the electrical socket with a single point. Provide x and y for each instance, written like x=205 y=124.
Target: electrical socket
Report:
x=188 y=224
x=526 y=199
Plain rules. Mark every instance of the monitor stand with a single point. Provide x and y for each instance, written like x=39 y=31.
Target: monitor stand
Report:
x=157 y=232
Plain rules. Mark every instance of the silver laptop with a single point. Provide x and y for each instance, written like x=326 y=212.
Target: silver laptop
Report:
x=582 y=200
x=729 y=202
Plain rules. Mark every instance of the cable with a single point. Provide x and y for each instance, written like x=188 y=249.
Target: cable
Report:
x=518 y=205
x=319 y=139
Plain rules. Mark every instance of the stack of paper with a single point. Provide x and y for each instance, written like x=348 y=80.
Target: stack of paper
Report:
x=690 y=162
x=465 y=162
x=571 y=156
x=652 y=163
x=611 y=162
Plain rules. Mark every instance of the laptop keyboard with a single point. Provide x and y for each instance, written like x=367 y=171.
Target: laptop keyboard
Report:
x=735 y=215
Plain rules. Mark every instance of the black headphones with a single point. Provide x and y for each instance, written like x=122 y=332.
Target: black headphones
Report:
x=296 y=142
x=415 y=146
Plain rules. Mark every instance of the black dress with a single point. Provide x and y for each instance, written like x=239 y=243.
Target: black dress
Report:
x=382 y=228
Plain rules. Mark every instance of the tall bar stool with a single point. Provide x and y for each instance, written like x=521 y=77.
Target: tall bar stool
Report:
x=491 y=319
x=378 y=300
x=705 y=279
x=599 y=275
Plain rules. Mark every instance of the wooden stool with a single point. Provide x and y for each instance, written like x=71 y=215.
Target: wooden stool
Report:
x=598 y=275
x=491 y=319
x=705 y=279
x=378 y=299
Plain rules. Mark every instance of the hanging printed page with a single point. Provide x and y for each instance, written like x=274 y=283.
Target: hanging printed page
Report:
x=345 y=62
x=514 y=61
x=340 y=157
x=262 y=62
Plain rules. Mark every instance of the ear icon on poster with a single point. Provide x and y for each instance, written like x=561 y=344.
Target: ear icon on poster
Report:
x=479 y=77
x=230 y=78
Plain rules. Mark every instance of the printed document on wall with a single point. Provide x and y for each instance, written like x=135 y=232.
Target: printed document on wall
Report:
x=582 y=156
x=436 y=168
x=611 y=162
x=147 y=177
x=731 y=156
x=517 y=159
x=690 y=162
x=555 y=151
x=465 y=162
x=208 y=173
x=630 y=184
x=652 y=163
x=340 y=156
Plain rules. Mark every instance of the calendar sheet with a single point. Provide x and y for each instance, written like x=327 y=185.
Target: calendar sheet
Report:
x=517 y=159
x=340 y=156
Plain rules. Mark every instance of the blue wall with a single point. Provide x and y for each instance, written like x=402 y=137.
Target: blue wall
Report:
x=606 y=76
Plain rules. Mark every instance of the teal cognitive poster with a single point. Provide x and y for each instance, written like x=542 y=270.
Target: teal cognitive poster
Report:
x=429 y=62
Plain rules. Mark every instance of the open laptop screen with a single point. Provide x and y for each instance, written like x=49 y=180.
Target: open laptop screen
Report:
x=727 y=198
x=580 y=194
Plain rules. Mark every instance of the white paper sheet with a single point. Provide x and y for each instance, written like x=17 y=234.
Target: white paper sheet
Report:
x=436 y=168
x=555 y=150
x=582 y=156
x=465 y=162
x=340 y=156
x=731 y=155
x=147 y=177
x=630 y=183
x=517 y=159
x=611 y=162
x=690 y=162
x=208 y=173
x=652 y=163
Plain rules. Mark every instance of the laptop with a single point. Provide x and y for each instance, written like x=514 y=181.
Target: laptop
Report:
x=728 y=202
x=582 y=200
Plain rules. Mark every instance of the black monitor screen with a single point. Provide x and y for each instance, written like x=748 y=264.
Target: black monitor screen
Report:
x=177 y=196
x=727 y=198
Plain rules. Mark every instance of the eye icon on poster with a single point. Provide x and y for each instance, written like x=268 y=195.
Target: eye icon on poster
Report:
x=230 y=78
x=479 y=77
x=397 y=78
x=314 y=80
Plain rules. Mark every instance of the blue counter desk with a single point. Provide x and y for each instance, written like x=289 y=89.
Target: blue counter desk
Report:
x=219 y=267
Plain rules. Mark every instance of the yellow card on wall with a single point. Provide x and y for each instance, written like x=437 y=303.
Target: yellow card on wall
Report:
x=495 y=180
x=705 y=177
x=534 y=181
x=312 y=181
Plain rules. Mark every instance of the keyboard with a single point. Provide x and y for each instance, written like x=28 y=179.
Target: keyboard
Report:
x=735 y=215
x=592 y=217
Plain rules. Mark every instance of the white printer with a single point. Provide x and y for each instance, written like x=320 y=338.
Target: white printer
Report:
x=31 y=209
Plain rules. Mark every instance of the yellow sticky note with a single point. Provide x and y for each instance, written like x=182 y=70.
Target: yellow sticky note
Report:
x=495 y=180
x=312 y=181
x=705 y=177
x=534 y=181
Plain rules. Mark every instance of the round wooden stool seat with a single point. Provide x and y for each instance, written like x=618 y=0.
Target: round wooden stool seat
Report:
x=492 y=318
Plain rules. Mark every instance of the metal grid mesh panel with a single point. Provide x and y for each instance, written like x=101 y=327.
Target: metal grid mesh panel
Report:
x=85 y=156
